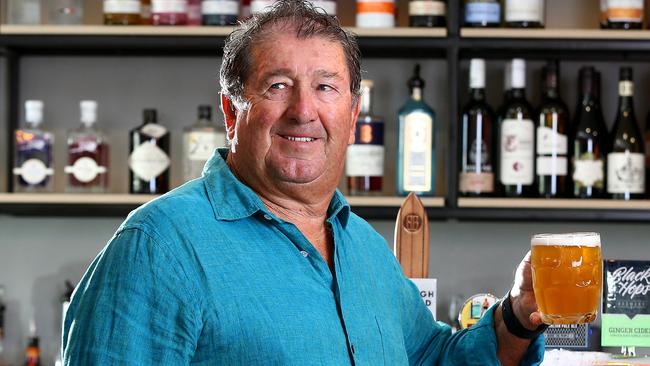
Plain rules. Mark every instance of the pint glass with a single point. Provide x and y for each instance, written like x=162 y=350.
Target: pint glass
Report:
x=567 y=274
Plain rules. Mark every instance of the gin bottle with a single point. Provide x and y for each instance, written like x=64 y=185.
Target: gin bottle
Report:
x=199 y=142
x=65 y=12
x=416 y=159
x=87 y=169
x=149 y=159
x=26 y=12
x=33 y=163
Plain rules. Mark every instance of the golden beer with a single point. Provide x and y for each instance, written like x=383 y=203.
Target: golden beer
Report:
x=567 y=274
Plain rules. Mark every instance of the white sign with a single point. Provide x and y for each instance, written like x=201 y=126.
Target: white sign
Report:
x=428 y=291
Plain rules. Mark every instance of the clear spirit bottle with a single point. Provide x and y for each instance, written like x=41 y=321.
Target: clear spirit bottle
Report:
x=416 y=160
x=88 y=155
x=364 y=164
x=199 y=142
x=33 y=163
x=26 y=12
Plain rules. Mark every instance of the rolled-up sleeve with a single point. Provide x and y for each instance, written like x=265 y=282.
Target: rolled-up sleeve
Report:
x=134 y=306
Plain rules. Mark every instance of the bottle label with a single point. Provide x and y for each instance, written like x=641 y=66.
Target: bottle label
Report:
x=476 y=182
x=121 y=7
x=374 y=6
x=525 y=11
x=261 y=6
x=547 y=165
x=220 y=7
x=364 y=160
x=624 y=10
x=625 y=172
x=516 y=146
x=427 y=8
x=551 y=142
x=33 y=171
x=589 y=172
x=625 y=88
x=153 y=130
x=169 y=6
x=148 y=161
x=328 y=6
x=85 y=169
x=201 y=145
x=418 y=152
x=479 y=157
x=480 y=12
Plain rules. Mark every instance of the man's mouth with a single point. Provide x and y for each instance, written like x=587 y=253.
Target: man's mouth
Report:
x=298 y=139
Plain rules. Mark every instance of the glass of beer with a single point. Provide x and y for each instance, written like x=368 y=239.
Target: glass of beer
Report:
x=567 y=274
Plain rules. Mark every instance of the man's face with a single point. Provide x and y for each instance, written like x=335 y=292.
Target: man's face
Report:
x=300 y=117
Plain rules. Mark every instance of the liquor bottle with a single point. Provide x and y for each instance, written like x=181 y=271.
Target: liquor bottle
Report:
x=122 y=12
x=329 y=6
x=626 y=160
x=416 y=159
x=589 y=138
x=33 y=169
x=261 y=6
x=194 y=15
x=220 y=12
x=146 y=18
x=245 y=9
x=364 y=163
x=525 y=13
x=373 y=14
x=32 y=352
x=552 y=144
x=24 y=12
x=427 y=13
x=621 y=14
x=516 y=138
x=88 y=156
x=149 y=159
x=199 y=142
x=482 y=13
x=476 y=175
x=646 y=137
x=65 y=12
x=169 y=12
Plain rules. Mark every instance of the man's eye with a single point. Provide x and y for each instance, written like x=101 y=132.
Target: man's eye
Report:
x=325 y=87
x=278 y=86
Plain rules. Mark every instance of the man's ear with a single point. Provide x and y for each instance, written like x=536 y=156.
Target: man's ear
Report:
x=354 y=115
x=230 y=116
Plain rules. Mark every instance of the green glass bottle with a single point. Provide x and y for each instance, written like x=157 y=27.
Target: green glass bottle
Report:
x=416 y=159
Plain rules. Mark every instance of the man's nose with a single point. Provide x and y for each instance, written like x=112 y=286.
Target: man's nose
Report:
x=303 y=106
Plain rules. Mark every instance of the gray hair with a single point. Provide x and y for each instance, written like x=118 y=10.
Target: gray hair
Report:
x=299 y=15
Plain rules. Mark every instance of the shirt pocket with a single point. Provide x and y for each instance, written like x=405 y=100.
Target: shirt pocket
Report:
x=392 y=342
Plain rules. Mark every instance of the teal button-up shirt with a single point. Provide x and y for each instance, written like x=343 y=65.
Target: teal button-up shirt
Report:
x=207 y=275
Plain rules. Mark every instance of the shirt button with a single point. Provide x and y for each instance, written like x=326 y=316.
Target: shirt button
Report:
x=304 y=253
x=267 y=217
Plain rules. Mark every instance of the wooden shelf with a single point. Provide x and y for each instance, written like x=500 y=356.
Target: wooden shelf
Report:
x=191 y=31
x=541 y=203
x=582 y=34
x=380 y=201
x=75 y=199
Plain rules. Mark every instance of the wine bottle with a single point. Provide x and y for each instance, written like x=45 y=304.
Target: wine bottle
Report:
x=482 y=13
x=516 y=138
x=476 y=175
x=364 y=162
x=525 y=13
x=622 y=14
x=589 y=138
x=427 y=13
x=551 y=137
x=416 y=158
x=626 y=160
x=149 y=159
x=199 y=142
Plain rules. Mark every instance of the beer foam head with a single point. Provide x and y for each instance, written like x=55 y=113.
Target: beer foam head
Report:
x=568 y=239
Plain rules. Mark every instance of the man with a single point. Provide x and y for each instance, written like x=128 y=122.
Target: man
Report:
x=260 y=261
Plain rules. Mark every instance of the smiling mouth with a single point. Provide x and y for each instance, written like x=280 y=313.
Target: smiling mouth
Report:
x=298 y=139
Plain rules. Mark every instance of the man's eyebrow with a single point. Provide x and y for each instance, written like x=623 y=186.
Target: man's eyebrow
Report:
x=328 y=74
x=276 y=72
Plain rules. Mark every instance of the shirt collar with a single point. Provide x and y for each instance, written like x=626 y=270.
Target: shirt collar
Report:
x=233 y=200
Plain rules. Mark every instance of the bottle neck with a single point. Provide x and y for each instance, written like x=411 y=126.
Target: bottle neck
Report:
x=477 y=94
x=551 y=93
x=625 y=96
x=518 y=93
x=416 y=94
x=365 y=105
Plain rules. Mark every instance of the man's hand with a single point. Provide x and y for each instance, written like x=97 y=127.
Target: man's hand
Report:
x=524 y=304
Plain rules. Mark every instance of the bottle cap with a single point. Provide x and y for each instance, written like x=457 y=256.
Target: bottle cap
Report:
x=88 y=112
x=626 y=73
x=34 y=112
x=477 y=73
x=150 y=115
x=367 y=83
x=415 y=81
x=205 y=112
x=518 y=76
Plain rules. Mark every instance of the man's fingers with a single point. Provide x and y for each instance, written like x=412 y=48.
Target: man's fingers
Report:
x=535 y=318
